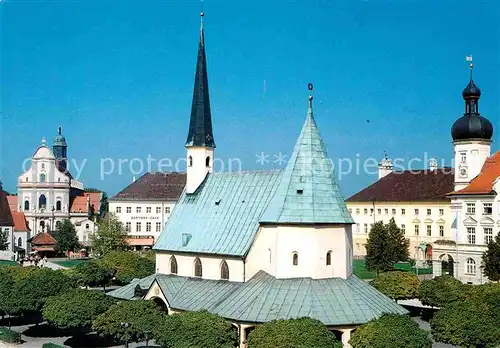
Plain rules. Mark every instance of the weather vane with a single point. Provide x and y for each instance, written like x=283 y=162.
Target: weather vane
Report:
x=310 y=87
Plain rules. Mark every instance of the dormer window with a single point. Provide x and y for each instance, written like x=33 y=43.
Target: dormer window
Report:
x=299 y=192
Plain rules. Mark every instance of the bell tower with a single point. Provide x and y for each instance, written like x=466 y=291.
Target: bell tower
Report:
x=200 y=142
x=472 y=134
x=60 y=149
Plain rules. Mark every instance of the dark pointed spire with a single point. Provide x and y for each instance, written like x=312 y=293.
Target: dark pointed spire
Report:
x=200 y=126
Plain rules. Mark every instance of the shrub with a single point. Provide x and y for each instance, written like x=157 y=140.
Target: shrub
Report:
x=397 y=285
x=196 y=329
x=10 y=336
x=390 y=330
x=299 y=333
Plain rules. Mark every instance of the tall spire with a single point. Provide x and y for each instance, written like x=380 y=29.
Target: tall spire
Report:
x=308 y=191
x=200 y=125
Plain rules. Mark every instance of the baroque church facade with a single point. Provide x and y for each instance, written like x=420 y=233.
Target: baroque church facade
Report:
x=255 y=246
x=47 y=193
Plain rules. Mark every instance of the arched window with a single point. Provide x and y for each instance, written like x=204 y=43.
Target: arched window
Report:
x=27 y=205
x=87 y=226
x=471 y=266
x=26 y=179
x=198 y=271
x=42 y=202
x=43 y=166
x=173 y=265
x=207 y=161
x=19 y=242
x=269 y=250
x=224 y=270
x=190 y=161
x=295 y=259
x=42 y=177
x=58 y=205
x=329 y=258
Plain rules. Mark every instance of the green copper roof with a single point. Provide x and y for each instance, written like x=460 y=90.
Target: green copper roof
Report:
x=308 y=191
x=333 y=301
x=127 y=292
x=222 y=216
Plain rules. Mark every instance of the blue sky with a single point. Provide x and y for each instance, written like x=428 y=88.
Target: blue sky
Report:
x=118 y=76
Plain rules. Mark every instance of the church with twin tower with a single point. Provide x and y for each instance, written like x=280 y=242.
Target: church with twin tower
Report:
x=254 y=246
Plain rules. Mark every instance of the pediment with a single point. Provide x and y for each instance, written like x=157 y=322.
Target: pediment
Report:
x=440 y=221
x=428 y=221
x=470 y=221
x=487 y=221
x=416 y=221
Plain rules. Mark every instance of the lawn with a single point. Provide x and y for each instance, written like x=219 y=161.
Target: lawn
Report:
x=8 y=263
x=361 y=272
x=69 y=263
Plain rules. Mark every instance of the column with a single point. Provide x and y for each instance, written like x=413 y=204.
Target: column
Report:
x=243 y=336
x=346 y=336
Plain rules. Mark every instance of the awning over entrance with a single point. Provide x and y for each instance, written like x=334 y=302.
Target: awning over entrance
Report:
x=140 y=241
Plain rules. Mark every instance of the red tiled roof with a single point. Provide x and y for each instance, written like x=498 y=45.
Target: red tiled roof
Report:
x=155 y=186
x=409 y=185
x=20 y=223
x=42 y=238
x=79 y=203
x=5 y=215
x=12 y=202
x=483 y=183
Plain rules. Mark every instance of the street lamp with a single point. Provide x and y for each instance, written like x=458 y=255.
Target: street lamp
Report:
x=146 y=335
x=126 y=326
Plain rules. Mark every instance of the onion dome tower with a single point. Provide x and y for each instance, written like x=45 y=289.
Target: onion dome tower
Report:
x=60 y=149
x=472 y=134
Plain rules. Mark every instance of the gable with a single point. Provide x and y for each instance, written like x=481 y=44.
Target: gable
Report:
x=487 y=221
x=470 y=221
x=222 y=216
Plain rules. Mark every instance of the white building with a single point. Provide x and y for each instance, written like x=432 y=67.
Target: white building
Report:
x=256 y=246
x=475 y=204
x=145 y=206
x=14 y=225
x=47 y=193
x=416 y=200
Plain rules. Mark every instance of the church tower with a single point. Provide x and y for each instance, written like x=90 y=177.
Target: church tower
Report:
x=200 y=142
x=471 y=135
x=60 y=149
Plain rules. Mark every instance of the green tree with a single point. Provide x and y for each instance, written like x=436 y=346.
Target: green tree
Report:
x=66 y=237
x=385 y=246
x=299 y=333
x=399 y=244
x=127 y=265
x=76 y=308
x=390 y=330
x=32 y=288
x=397 y=285
x=441 y=291
x=93 y=273
x=473 y=322
x=4 y=240
x=196 y=329
x=109 y=237
x=142 y=316
x=378 y=251
x=6 y=286
x=491 y=260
